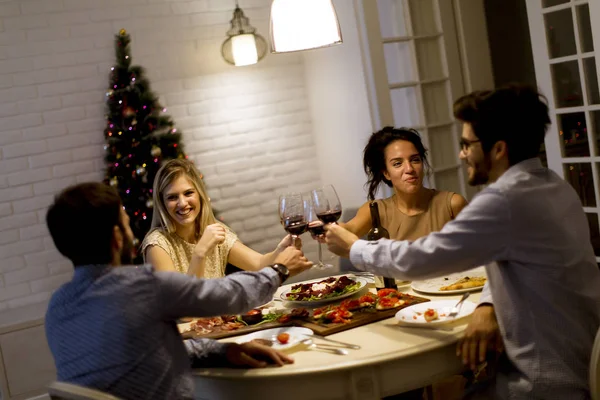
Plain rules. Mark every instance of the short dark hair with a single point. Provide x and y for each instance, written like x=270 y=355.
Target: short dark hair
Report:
x=516 y=114
x=81 y=222
x=374 y=154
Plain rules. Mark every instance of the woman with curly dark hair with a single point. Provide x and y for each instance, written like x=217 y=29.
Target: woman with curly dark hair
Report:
x=398 y=158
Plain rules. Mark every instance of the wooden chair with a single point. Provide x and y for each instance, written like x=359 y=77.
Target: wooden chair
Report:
x=595 y=369
x=69 y=391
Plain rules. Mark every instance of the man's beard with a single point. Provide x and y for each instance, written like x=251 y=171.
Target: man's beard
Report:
x=481 y=172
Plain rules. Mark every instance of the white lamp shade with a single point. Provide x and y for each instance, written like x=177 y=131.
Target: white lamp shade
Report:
x=244 y=50
x=303 y=24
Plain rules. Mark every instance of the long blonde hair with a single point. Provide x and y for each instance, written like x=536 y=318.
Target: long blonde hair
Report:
x=169 y=172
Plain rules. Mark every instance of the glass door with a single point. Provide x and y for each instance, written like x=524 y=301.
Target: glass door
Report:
x=565 y=64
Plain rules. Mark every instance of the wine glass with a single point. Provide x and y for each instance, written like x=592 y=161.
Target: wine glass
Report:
x=282 y=198
x=316 y=227
x=295 y=212
x=327 y=204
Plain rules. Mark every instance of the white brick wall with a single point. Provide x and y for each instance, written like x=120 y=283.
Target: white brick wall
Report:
x=247 y=129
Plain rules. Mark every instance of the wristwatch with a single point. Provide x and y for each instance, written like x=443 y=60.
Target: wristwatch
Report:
x=282 y=271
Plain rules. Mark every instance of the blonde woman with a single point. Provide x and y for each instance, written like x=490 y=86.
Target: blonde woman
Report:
x=185 y=236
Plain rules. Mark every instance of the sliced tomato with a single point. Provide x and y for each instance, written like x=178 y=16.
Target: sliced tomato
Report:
x=367 y=298
x=283 y=338
x=352 y=304
x=387 y=292
x=388 y=302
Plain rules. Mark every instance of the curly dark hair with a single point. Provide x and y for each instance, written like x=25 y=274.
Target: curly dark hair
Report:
x=516 y=114
x=374 y=154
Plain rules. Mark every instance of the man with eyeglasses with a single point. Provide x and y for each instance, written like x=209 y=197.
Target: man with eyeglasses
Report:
x=529 y=229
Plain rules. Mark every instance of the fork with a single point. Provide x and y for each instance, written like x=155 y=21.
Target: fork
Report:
x=455 y=310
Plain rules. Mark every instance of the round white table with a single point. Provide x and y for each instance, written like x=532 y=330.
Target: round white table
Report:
x=393 y=359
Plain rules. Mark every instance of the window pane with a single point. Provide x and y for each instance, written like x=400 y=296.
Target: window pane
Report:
x=429 y=59
x=443 y=149
x=580 y=177
x=391 y=18
x=436 y=102
x=585 y=28
x=404 y=106
x=550 y=3
x=567 y=84
x=422 y=14
x=560 y=33
x=594 y=232
x=398 y=62
x=595 y=130
x=591 y=80
x=572 y=130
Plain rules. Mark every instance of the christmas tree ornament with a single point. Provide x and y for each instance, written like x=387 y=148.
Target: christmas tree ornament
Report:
x=140 y=171
x=122 y=32
x=114 y=181
x=149 y=203
x=156 y=151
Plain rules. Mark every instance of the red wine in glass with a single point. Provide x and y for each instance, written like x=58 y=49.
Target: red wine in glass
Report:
x=295 y=225
x=316 y=228
x=329 y=217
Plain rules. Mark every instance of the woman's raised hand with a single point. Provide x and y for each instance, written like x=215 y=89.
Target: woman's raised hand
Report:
x=287 y=241
x=213 y=235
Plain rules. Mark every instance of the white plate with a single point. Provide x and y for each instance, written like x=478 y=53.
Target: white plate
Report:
x=363 y=283
x=432 y=286
x=296 y=336
x=413 y=315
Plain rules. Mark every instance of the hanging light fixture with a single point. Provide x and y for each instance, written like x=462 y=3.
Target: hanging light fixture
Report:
x=303 y=24
x=243 y=45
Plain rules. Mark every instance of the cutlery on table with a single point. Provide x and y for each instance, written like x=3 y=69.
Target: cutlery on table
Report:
x=334 y=350
x=309 y=345
x=456 y=309
x=348 y=345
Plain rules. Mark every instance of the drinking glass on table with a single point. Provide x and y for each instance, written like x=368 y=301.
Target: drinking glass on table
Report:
x=327 y=204
x=295 y=213
x=317 y=231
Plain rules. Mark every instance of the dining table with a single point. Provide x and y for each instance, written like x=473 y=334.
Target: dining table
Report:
x=393 y=358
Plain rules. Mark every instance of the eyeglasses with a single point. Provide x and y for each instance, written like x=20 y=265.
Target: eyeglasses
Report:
x=465 y=144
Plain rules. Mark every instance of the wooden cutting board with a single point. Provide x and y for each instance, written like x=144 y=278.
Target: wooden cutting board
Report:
x=359 y=318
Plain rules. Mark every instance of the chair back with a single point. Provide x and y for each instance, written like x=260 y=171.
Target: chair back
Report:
x=69 y=391
x=595 y=369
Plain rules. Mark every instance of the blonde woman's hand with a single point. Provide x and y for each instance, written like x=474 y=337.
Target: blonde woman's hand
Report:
x=213 y=235
x=287 y=242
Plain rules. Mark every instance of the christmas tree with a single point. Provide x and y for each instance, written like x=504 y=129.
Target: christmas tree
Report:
x=139 y=136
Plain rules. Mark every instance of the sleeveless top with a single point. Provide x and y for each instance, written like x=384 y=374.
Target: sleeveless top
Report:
x=411 y=227
x=181 y=251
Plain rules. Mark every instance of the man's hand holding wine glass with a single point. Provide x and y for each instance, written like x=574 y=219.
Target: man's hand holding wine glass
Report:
x=339 y=240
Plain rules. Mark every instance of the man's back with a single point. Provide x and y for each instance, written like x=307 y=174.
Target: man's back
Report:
x=547 y=289
x=105 y=331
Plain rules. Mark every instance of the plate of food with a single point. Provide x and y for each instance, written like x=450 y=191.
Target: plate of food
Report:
x=278 y=338
x=434 y=313
x=325 y=290
x=461 y=282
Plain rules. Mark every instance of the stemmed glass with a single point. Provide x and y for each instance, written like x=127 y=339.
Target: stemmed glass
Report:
x=327 y=204
x=317 y=231
x=295 y=214
x=282 y=199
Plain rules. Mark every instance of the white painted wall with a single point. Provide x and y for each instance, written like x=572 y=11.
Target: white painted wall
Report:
x=248 y=129
x=339 y=108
